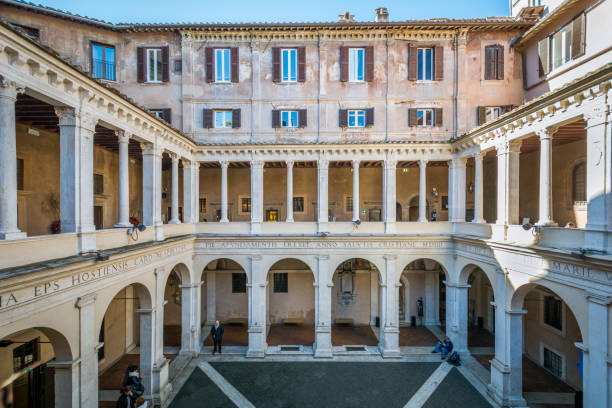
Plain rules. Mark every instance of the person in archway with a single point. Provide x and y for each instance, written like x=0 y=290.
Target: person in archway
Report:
x=420 y=311
x=444 y=347
x=126 y=399
x=216 y=332
x=135 y=382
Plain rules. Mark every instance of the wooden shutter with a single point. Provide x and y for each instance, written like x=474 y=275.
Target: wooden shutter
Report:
x=369 y=119
x=413 y=59
x=412 y=117
x=207 y=119
x=302 y=118
x=438 y=116
x=481 y=114
x=344 y=63
x=438 y=63
x=343 y=117
x=140 y=64
x=165 y=51
x=369 y=63
x=489 y=62
x=499 y=56
x=167 y=114
x=543 y=57
x=209 y=53
x=236 y=120
x=276 y=64
x=234 y=60
x=276 y=121
x=301 y=57
x=578 y=27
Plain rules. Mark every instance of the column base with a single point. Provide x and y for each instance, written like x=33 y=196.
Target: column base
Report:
x=159 y=232
x=322 y=345
x=505 y=401
x=255 y=227
x=289 y=220
x=597 y=240
x=322 y=227
x=122 y=225
x=87 y=242
x=174 y=222
x=161 y=387
x=389 y=227
x=423 y=220
x=10 y=235
x=223 y=220
x=480 y=221
x=389 y=344
x=547 y=223
x=257 y=342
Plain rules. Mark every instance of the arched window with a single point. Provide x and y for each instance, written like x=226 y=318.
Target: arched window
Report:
x=579 y=182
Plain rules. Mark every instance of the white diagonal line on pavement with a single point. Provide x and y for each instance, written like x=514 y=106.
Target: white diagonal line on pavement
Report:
x=423 y=393
x=228 y=389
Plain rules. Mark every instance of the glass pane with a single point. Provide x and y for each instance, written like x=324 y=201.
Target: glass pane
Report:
x=361 y=119
x=285 y=119
x=293 y=67
x=218 y=65
x=420 y=118
x=360 y=64
x=351 y=118
x=109 y=57
x=159 y=68
x=285 y=65
x=428 y=64
x=97 y=62
x=557 y=49
x=568 y=42
x=218 y=119
x=228 y=119
x=429 y=117
x=226 y=65
x=420 y=65
x=294 y=119
x=352 y=62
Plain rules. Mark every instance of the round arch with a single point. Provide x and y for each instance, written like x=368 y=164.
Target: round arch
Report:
x=271 y=261
x=182 y=270
x=142 y=292
x=467 y=269
x=434 y=258
x=208 y=260
x=60 y=344
x=368 y=258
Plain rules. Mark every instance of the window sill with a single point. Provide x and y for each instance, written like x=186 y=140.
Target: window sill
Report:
x=357 y=82
x=153 y=83
x=286 y=82
x=107 y=81
x=426 y=81
x=222 y=83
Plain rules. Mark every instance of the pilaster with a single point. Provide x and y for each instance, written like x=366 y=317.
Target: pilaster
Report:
x=151 y=188
x=289 y=191
x=323 y=290
x=423 y=190
x=88 y=346
x=322 y=194
x=389 y=194
x=355 y=190
x=389 y=321
x=257 y=309
x=175 y=189
x=224 y=165
x=256 y=195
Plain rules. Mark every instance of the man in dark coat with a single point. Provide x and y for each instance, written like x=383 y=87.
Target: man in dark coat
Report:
x=216 y=332
x=126 y=400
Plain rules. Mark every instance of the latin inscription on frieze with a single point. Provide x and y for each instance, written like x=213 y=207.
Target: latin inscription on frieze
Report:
x=323 y=244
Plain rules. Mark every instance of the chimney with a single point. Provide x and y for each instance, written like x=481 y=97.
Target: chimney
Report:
x=347 y=17
x=382 y=15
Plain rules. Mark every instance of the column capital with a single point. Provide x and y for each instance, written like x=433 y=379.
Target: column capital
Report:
x=255 y=257
x=10 y=89
x=423 y=162
x=323 y=163
x=516 y=312
x=322 y=257
x=479 y=155
x=150 y=149
x=546 y=133
x=66 y=115
x=289 y=163
x=356 y=164
x=87 y=121
x=390 y=164
x=389 y=257
x=86 y=300
x=174 y=157
x=224 y=164
x=257 y=163
x=123 y=136
x=598 y=298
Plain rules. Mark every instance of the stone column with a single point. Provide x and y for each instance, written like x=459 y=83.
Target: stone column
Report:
x=256 y=195
x=478 y=188
x=355 y=190
x=66 y=382
x=508 y=156
x=124 y=181
x=76 y=175
x=290 y=191
x=257 y=309
x=160 y=367
x=190 y=318
x=88 y=350
x=459 y=189
x=506 y=386
x=8 y=161
x=146 y=318
x=174 y=219
x=451 y=187
x=598 y=181
x=389 y=321
x=322 y=191
x=456 y=314
x=224 y=165
x=597 y=375
x=431 y=289
x=323 y=290
x=423 y=190
x=211 y=300
x=190 y=200
x=151 y=188
x=545 y=213
x=389 y=191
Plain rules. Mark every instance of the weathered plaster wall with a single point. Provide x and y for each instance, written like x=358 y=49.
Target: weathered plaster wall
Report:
x=360 y=310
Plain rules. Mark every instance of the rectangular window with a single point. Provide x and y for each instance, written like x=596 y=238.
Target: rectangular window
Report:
x=202 y=205
x=25 y=355
x=103 y=61
x=222 y=65
x=281 y=283
x=356 y=64
x=239 y=282
x=20 y=174
x=356 y=118
x=425 y=64
x=425 y=117
x=289 y=119
x=98 y=217
x=289 y=64
x=272 y=215
x=553 y=362
x=245 y=205
x=553 y=312
x=154 y=65
x=298 y=204
x=223 y=119
x=492 y=112
x=98 y=184
x=348 y=204
x=561 y=51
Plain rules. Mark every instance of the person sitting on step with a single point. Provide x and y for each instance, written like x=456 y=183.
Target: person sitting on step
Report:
x=444 y=347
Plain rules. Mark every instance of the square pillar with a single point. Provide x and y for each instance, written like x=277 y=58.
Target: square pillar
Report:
x=8 y=161
x=257 y=289
x=76 y=175
x=355 y=190
x=423 y=190
x=508 y=156
x=191 y=204
x=161 y=387
x=66 y=382
x=459 y=173
x=147 y=341
x=256 y=195
x=389 y=322
x=596 y=381
x=323 y=291
x=151 y=188
x=211 y=300
x=289 y=217
x=124 y=181
x=190 y=318
x=432 y=281
x=478 y=188
x=322 y=193
x=389 y=192
x=174 y=219
x=88 y=350
x=457 y=315
x=545 y=202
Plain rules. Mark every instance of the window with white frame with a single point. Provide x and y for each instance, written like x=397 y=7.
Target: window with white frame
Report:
x=561 y=43
x=492 y=112
x=289 y=64
x=154 y=65
x=425 y=64
x=356 y=118
x=553 y=362
x=553 y=312
x=222 y=65
x=425 y=117
x=223 y=119
x=356 y=64
x=289 y=119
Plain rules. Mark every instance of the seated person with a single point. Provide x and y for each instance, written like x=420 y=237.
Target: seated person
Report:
x=445 y=347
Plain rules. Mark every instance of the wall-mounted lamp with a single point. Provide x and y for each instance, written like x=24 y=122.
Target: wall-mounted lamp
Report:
x=471 y=187
x=434 y=191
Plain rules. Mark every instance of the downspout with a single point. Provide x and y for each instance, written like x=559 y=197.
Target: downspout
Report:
x=456 y=80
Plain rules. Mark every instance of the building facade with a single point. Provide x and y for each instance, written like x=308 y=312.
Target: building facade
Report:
x=157 y=177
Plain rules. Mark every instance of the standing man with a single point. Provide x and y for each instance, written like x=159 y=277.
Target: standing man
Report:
x=216 y=332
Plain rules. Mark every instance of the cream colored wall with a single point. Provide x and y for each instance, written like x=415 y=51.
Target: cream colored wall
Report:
x=167 y=189
x=360 y=310
x=416 y=282
x=229 y=304
x=114 y=331
x=7 y=375
x=172 y=310
x=479 y=297
x=299 y=301
x=305 y=184
x=536 y=333
x=275 y=191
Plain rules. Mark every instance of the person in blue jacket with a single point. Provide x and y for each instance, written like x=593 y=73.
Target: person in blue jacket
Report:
x=444 y=347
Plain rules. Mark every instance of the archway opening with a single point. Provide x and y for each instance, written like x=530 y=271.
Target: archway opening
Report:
x=481 y=314
x=225 y=298
x=291 y=304
x=172 y=313
x=422 y=303
x=31 y=377
x=355 y=307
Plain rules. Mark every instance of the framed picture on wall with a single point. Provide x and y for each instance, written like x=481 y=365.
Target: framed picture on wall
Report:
x=445 y=203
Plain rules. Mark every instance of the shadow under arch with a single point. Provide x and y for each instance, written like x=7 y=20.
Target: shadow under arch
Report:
x=141 y=293
x=427 y=260
x=183 y=272
x=211 y=265
x=371 y=261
